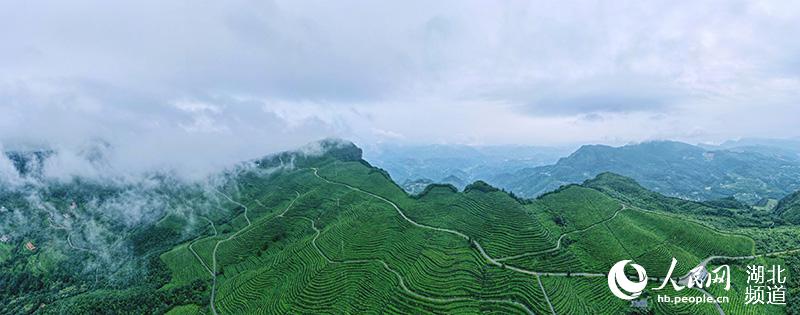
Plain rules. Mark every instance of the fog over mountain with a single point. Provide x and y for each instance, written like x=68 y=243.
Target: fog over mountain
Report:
x=404 y=157
x=96 y=220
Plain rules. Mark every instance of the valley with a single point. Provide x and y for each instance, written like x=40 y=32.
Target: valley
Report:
x=752 y=174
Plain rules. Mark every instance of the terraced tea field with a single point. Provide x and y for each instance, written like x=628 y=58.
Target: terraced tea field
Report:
x=341 y=237
x=330 y=234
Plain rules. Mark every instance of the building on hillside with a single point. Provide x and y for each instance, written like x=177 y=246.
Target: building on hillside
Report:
x=30 y=246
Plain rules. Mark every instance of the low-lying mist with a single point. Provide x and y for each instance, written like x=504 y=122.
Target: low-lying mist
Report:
x=91 y=220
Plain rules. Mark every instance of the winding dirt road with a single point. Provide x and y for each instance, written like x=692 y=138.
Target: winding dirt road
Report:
x=454 y=232
x=216 y=246
x=400 y=277
x=560 y=238
x=497 y=261
x=494 y=261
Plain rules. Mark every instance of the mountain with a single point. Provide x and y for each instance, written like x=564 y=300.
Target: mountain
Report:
x=788 y=208
x=672 y=168
x=457 y=164
x=321 y=230
x=81 y=237
x=783 y=149
x=724 y=213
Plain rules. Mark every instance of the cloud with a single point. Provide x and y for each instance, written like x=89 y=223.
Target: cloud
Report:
x=8 y=173
x=602 y=95
x=169 y=83
x=192 y=136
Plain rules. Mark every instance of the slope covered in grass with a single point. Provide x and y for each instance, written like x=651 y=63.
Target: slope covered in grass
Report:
x=328 y=233
x=788 y=208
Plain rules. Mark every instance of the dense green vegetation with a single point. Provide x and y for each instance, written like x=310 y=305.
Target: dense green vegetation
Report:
x=724 y=213
x=788 y=208
x=329 y=233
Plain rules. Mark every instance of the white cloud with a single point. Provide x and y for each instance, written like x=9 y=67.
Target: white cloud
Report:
x=168 y=83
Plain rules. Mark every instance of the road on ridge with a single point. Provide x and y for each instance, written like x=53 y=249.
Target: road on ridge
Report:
x=216 y=246
x=496 y=261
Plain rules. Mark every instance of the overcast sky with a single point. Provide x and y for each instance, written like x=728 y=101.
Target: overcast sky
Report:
x=228 y=79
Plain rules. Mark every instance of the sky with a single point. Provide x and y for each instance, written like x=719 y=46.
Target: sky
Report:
x=199 y=82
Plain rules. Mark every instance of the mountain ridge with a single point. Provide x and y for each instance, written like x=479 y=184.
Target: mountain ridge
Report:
x=670 y=167
x=304 y=230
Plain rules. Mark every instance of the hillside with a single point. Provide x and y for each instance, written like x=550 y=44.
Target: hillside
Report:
x=788 y=208
x=671 y=168
x=325 y=232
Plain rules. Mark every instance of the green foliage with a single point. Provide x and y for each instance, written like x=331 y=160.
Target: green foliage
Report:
x=578 y=206
x=792 y=263
x=139 y=300
x=431 y=187
x=727 y=203
x=788 y=208
x=480 y=186
x=294 y=242
x=153 y=238
x=714 y=213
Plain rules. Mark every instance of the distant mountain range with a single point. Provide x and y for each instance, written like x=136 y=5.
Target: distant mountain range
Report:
x=749 y=173
x=458 y=165
x=781 y=148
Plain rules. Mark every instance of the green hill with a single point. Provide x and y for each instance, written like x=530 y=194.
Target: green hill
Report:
x=322 y=231
x=788 y=208
x=671 y=168
x=722 y=213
